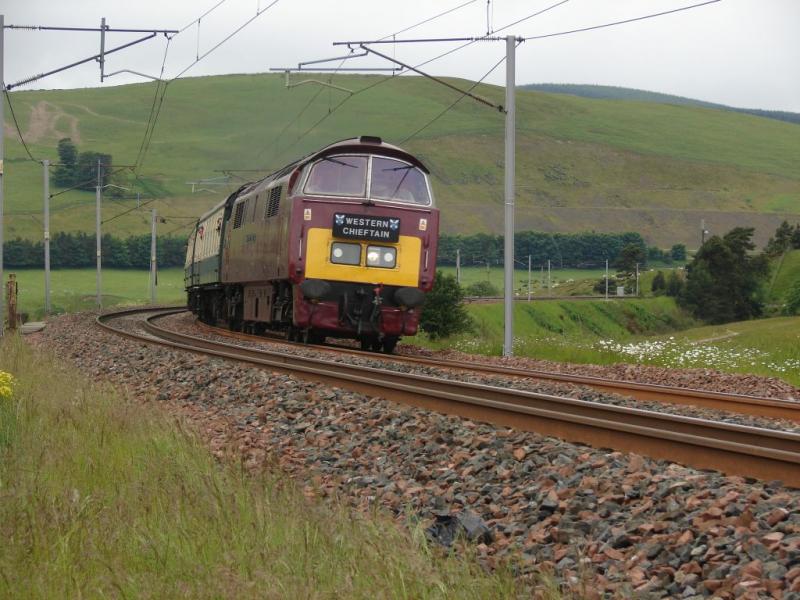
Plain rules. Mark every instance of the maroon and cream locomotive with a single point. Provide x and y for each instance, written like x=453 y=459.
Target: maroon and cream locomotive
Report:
x=341 y=243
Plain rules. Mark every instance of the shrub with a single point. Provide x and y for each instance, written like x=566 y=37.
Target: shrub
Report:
x=483 y=289
x=674 y=285
x=443 y=313
x=659 y=284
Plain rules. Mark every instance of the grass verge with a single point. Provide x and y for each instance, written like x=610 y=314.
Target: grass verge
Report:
x=652 y=331
x=101 y=496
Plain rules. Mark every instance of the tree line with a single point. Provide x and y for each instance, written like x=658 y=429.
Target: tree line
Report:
x=576 y=250
x=77 y=250
x=786 y=238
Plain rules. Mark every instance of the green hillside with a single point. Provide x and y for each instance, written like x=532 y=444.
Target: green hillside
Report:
x=610 y=92
x=581 y=164
x=785 y=273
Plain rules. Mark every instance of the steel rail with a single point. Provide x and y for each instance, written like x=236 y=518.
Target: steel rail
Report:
x=739 y=403
x=734 y=449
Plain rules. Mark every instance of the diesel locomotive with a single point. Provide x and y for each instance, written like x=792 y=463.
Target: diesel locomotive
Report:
x=341 y=243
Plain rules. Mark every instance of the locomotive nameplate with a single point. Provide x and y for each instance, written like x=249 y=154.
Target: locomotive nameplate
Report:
x=360 y=227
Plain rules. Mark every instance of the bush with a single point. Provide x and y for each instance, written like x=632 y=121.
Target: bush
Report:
x=483 y=289
x=678 y=252
x=659 y=284
x=443 y=313
x=613 y=282
x=674 y=285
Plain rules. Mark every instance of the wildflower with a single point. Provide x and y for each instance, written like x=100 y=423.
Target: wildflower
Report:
x=6 y=385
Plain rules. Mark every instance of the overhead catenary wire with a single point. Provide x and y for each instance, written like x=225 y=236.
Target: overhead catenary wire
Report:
x=459 y=99
x=429 y=19
x=469 y=39
x=89 y=181
x=286 y=127
x=622 y=22
x=335 y=108
x=518 y=21
x=150 y=119
x=225 y=39
x=151 y=129
x=128 y=211
x=203 y=16
x=296 y=118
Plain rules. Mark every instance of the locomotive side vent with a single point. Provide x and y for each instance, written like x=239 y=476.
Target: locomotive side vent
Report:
x=237 y=216
x=274 y=201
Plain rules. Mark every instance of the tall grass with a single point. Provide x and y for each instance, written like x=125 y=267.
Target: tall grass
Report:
x=101 y=496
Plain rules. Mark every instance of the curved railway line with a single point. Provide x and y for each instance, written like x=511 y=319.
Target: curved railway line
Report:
x=734 y=449
x=739 y=403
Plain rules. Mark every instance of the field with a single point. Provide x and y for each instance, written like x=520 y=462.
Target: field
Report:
x=563 y=282
x=581 y=164
x=74 y=289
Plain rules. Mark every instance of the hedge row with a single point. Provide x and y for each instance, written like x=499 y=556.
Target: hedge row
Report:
x=580 y=250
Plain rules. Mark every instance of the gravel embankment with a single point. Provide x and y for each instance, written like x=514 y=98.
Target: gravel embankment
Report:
x=609 y=524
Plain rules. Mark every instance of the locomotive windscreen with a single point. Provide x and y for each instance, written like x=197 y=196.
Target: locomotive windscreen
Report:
x=395 y=180
x=390 y=179
x=339 y=176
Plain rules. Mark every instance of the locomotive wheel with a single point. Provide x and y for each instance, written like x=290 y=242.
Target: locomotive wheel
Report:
x=316 y=338
x=389 y=343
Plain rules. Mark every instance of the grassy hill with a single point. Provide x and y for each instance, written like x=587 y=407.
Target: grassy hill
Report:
x=785 y=273
x=609 y=92
x=581 y=164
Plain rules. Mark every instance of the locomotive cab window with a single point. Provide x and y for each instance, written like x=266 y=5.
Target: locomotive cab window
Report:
x=375 y=177
x=398 y=181
x=338 y=176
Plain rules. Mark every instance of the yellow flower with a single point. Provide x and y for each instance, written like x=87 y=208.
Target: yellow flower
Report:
x=6 y=385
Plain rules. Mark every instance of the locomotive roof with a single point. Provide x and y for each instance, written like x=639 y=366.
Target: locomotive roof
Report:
x=360 y=144
x=365 y=144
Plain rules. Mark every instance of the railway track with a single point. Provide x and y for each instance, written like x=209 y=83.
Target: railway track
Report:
x=734 y=449
x=739 y=403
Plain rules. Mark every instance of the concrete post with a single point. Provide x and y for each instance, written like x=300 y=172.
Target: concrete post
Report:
x=46 y=176
x=508 y=255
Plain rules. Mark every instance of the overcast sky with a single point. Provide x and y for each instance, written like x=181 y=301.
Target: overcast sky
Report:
x=743 y=53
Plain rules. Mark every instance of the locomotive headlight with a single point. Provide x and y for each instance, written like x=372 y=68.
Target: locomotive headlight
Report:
x=381 y=256
x=346 y=254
